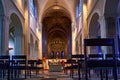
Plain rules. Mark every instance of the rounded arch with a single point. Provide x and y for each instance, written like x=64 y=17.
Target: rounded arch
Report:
x=21 y=19
x=56 y=28
x=94 y=26
x=47 y=7
x=16 y=22
x=55 y=9
x=15 y=34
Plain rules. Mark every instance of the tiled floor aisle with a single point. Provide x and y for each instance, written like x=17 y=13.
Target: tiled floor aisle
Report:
x=51 y=76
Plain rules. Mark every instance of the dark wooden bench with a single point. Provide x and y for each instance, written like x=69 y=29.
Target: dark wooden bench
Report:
x=78 y=64
x=91 y=59
x=100 y=64
x=39 y=66
x=68 y=66
x=5 y=66
x=35 y=65
x=20 y=63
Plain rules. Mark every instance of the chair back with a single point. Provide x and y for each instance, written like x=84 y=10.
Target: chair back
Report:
x=95 y=56
x=110 y=56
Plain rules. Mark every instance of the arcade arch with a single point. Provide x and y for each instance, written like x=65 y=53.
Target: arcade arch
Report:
x=94 y=31
x=15 y=35
x=56 y=32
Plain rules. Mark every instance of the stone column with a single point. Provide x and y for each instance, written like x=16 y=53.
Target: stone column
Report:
x=102 y=26
x=40 y=41
x=73 y=34
x=18 y=45
x=103 y=31
x=1 y=33
x=4 y=23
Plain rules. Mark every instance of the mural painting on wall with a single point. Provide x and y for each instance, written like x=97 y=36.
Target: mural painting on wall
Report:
x=56 y=49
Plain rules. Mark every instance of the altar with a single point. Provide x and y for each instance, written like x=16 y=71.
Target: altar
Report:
x=54 y=65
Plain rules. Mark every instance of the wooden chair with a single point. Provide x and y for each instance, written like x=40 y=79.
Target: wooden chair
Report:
x=31 y=66
x=20 y=63
x=91 y=59
x=68 y=66
x=78 y=64
x=39 y=66
x=109 y=57
x=5 y=66
x=35 y=65
x=99 y=63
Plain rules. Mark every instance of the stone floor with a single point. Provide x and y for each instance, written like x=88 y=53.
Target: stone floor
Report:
x=56 y=76
x=51 y=76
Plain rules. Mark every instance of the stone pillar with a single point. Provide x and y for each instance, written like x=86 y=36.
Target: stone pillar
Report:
x=4 y=23
x=18 y=45
x=40 y=42
x=1 y=34
x=102 y=26
x=118 y=36
x=103 y=31
x=73 y=32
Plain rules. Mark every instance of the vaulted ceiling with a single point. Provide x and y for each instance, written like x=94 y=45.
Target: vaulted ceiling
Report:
x=68 y=5
x=56 y=17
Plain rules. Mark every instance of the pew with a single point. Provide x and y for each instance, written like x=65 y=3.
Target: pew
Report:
x=5 y=66
x=35 y=65
x=19 y=64
x=100 y=64
x=78 y=64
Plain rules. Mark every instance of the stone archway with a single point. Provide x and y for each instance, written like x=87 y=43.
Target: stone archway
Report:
x=15 y=35
x=1 y=25
x=94 y=27
x=94 y=31
x=56 y=33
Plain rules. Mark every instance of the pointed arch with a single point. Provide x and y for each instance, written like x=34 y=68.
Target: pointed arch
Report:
x=15 y=34
x=94 y=30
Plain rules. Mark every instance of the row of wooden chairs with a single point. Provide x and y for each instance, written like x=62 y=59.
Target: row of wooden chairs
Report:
x=89 y=62
x=78 y=62
x=101 y=64
x=17 y=64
